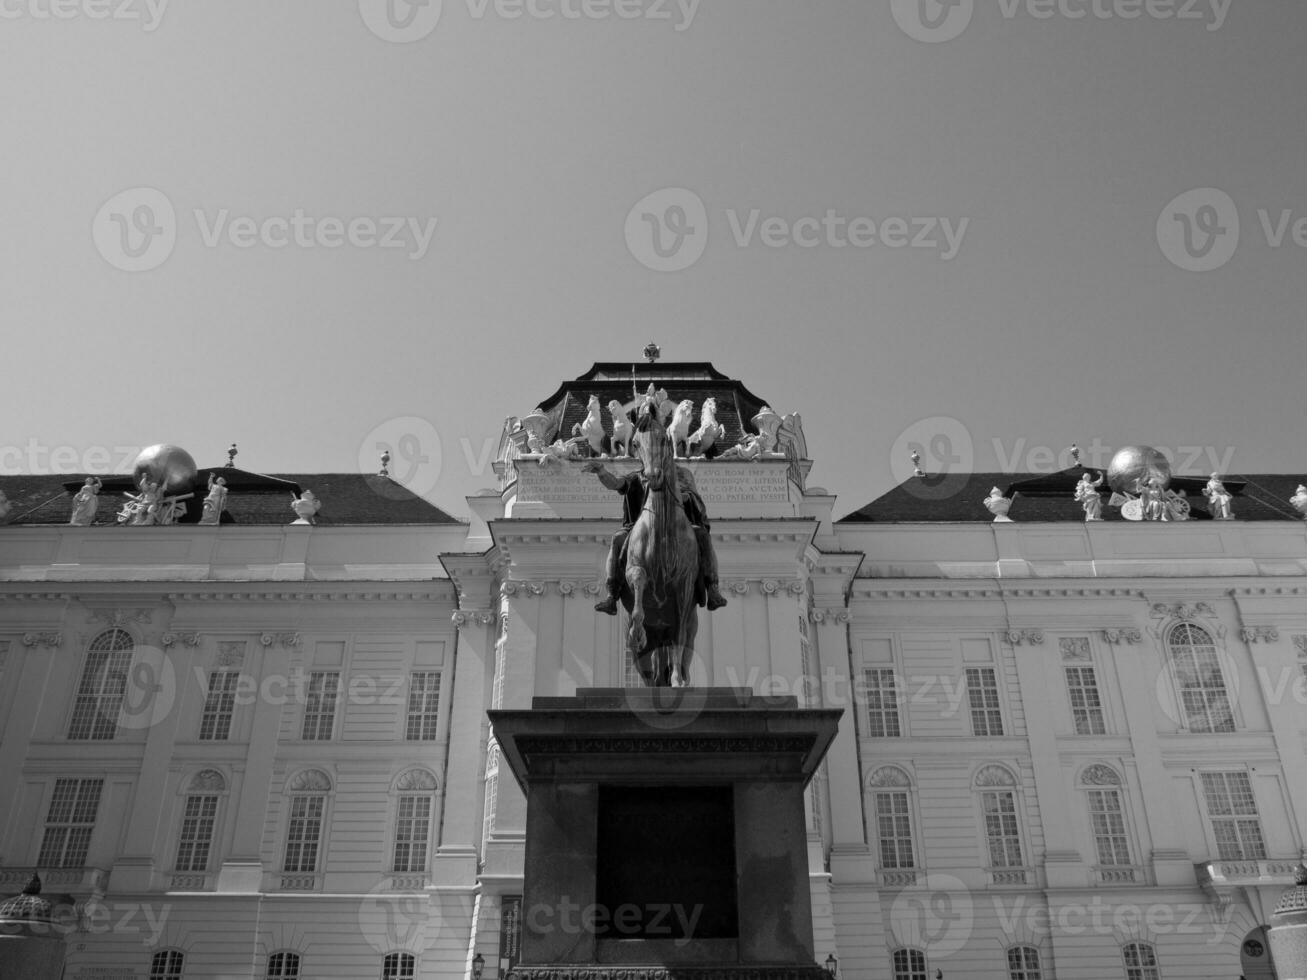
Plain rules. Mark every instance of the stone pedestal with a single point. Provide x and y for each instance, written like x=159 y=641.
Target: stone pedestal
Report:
x=33 y=928
x=665 y=833
x=1288 y=932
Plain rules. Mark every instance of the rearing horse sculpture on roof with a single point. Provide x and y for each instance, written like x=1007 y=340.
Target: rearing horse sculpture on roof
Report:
x=663 y=567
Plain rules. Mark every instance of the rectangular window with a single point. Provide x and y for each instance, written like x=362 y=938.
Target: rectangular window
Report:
x=1233 y=812
x=894 y=829
x=412 y=827
x=304 y=833
x=982 y=697
x=69 y=824
x=197 y=833
x=320 y=707
x=1086 y=705
x=882 y=703
x=1001 y=830
x=423 y=706
x=219 y=705
x=1108 y=824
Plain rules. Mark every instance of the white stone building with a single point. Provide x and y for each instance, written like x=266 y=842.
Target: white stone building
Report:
x=259 y=749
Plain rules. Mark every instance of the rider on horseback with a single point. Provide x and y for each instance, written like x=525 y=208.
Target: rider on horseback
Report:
x=633 y=488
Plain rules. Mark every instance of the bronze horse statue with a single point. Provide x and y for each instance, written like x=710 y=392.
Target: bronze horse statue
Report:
x=662 y=565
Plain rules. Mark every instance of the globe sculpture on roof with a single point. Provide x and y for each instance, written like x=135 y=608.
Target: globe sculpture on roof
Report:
x=1133 y=467
x=1140 y=477
x=165 y=476
x=172 y=467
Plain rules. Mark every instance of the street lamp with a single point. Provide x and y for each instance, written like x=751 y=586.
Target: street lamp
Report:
x=832 y=964
x=478 y=965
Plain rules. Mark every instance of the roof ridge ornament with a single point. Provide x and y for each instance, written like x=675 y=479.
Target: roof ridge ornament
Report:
x=652 y=352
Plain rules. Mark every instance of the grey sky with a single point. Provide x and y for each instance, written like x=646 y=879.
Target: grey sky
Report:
x=1053 y=144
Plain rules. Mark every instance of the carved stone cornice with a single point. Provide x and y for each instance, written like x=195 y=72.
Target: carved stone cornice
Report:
x=836 y=614
x=1256 y=634
x=34 y=597
x=1181 y=610
x=425 y=595
x=188 y=638
x=280 y=639
x=1122 y=634
x=1018 y=637
x=474 y=617
x=45 y=638
x=609 y=744
x=864 y=589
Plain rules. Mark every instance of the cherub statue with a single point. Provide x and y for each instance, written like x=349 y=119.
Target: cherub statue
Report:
x=679 y=430
x=593 y=427
x=998 y=505
x=710 y=430
x=306 y=507
x=215 y=501
x=571 y=449
x=1298 y=500
x=1087 y=496
x=85 y=503
x=622 y=428
x=1218 y=499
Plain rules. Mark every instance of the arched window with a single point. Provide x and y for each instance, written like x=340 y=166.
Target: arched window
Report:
x=199 y=816
x=308 y=809
x=167 y=964
x=1102 y=787
x=417 y=792
x=104 y=682
x=891 y=808
x=283 y=966
x=998 y=805
x=1198 y=679
x=1140 y=962
x=909 y=964
x=1023 y=963
x=398 y=966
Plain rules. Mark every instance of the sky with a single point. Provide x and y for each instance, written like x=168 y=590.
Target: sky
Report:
x=986 y=229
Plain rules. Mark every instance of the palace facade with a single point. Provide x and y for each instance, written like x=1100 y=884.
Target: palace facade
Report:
x=259 y=748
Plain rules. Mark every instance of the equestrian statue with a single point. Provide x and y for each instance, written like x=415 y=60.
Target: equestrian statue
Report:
x=661 y=564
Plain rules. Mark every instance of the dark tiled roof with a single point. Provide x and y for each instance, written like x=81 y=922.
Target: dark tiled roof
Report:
x=347 y=498
x=624 y=382
x=1049 y=497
